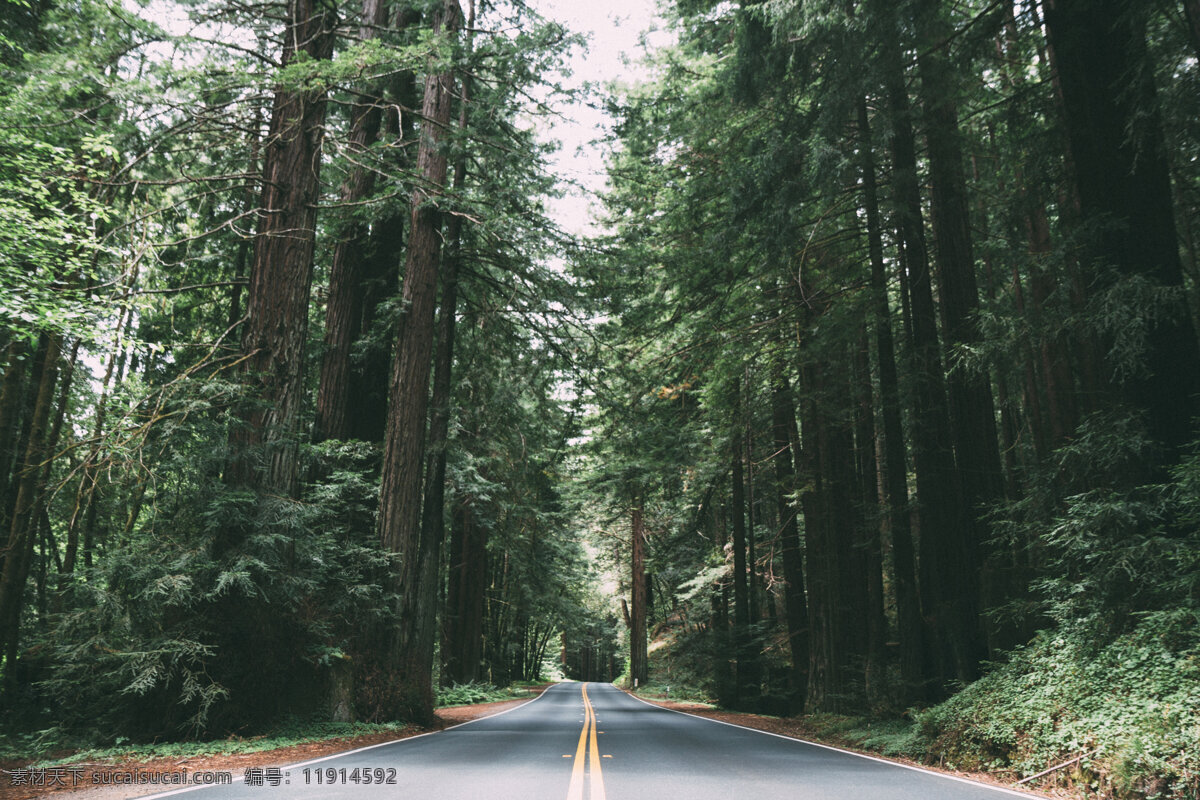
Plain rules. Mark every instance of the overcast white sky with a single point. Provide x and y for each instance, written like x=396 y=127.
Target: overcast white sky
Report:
x=614 y=28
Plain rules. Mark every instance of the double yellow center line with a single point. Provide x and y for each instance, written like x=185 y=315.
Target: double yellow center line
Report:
x=587 y=739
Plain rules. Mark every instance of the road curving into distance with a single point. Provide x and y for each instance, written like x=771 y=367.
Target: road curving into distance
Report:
x=595 y=742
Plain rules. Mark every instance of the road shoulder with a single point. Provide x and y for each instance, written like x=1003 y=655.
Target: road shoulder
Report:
x=85 y=781
x=796 y=728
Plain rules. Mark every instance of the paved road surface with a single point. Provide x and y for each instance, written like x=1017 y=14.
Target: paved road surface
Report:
x=593 y=742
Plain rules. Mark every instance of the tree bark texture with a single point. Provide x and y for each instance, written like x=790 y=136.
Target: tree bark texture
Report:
x=281 y=270
x=400 y=526
x=343 y=310
x=16 y=367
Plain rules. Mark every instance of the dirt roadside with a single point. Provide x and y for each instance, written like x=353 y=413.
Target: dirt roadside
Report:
x=796 y=729
x=94 y=781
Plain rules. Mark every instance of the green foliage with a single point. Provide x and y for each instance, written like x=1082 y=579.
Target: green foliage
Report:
x=1131 y=705
x=1118 y=675
x=470 y=693
x=165 y=636
x=287 y=734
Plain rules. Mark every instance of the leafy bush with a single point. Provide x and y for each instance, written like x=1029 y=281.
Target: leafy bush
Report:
x=470 y=693
x=1134 y=704
x=1116 y=677
x=172 y=633
x=288 y=734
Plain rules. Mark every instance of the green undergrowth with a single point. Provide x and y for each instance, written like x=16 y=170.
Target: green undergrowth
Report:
x=681 y=692
x=677 y=663
x=1128 y=701
x=898 y=738
x=1131 y=707
x=45 y=747
x=470 y=693
x=38 y=747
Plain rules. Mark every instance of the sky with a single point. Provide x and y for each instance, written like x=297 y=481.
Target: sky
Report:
x=614 y=51
x=614 y=28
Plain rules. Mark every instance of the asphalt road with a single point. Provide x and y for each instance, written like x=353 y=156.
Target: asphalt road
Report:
x=594 y=742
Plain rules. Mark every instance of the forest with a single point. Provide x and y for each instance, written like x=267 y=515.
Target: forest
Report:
x=872 y=400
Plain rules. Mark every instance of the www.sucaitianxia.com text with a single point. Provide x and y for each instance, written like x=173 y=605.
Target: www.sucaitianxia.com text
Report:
x=63 y=777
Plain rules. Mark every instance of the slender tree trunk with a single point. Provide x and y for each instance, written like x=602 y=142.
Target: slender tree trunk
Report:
x=869 y=541
x=752 y=592
x=638 y=665
x=904 y=581
x=251 y=193
x=947 y=589
x=1051 y=427
x=746 y=671
x=16 y=367
x=462 y=642
x=795 y=601
x=453 y=612
x=400 y=526
x=23 y=523
x=433 y=514
x=87 y=495
x=275 y=335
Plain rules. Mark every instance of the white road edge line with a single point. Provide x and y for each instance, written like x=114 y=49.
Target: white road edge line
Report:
x=240 y=778
x=902 y=765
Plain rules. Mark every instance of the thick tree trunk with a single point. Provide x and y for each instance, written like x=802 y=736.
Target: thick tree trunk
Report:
x=370 y=379
x=275 y=334
x=1116 y=143
x=822 y=672
x=846 y=562
x=28 y=404
x=343 y=310
x=400 y=526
